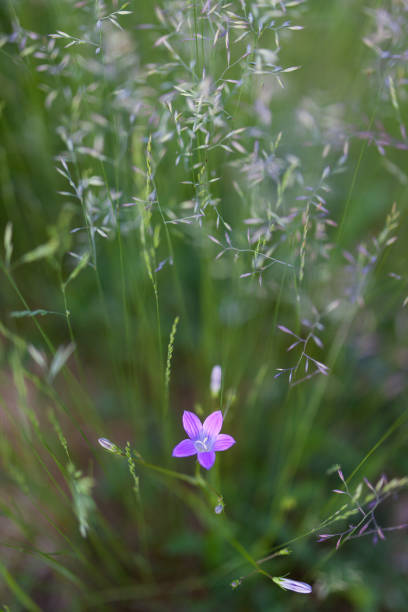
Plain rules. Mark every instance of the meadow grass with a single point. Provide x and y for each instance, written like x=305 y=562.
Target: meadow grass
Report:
x=204 y=206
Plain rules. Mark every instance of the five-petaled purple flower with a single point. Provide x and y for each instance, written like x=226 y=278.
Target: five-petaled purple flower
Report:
x=203 y=439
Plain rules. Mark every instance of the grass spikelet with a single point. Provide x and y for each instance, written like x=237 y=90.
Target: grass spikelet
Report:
x=170 y=349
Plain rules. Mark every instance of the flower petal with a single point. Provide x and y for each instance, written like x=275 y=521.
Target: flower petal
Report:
x=206 y=459
x=213 y=423
x=223 y=442
x=185 y=448
x=192 y=424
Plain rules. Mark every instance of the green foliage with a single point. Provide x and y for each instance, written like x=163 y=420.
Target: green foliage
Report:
x=189 y=184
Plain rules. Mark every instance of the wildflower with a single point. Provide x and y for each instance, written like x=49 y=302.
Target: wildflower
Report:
x=292 y=585
x=203 y=439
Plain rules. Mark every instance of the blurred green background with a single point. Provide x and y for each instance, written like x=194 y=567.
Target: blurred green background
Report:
x=125 y=121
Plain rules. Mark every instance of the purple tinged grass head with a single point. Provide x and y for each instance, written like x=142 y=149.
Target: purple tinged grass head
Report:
x=292 y=585
x=204 y=440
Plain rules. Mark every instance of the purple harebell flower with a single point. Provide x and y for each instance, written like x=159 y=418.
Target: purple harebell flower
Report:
x=204 y=440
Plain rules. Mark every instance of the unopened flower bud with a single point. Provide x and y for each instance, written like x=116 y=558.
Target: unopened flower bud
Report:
x=107 y=444
x=215 y=384
x=292 y=585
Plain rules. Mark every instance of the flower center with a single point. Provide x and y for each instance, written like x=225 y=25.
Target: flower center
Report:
x=203 y=446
